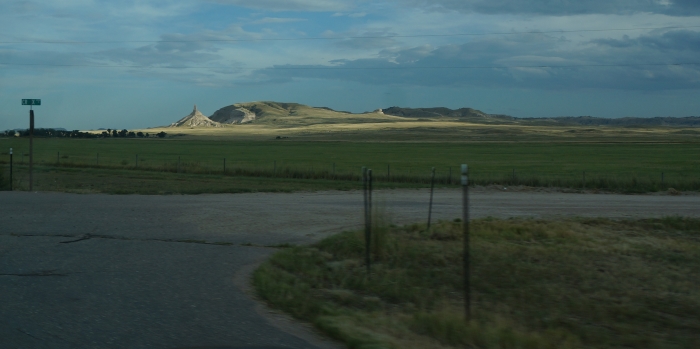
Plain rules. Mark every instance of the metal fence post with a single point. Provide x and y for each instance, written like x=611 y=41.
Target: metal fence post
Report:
x=430 y=205
x=465 y=230
x=366 y=215
x=369 y=215
x=10 y=169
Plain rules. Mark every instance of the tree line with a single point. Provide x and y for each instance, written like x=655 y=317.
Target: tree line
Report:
x=109 y=133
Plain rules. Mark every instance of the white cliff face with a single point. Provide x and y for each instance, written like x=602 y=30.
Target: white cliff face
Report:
x=196 y=119
x=248 y=115
x=233 y=115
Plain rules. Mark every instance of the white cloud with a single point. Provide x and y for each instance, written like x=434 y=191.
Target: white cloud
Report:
x=277 y=20
x=525 y=61
x=561 y=7
x=290 y=5
x=351 y=15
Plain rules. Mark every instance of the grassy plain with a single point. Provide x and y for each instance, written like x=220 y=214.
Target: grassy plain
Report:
x=576 y=283
x=626 y=166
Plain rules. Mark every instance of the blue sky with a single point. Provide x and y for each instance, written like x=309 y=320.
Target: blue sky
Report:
x=141 y=63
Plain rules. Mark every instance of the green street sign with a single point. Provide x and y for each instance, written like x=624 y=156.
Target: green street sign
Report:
x=31 y=102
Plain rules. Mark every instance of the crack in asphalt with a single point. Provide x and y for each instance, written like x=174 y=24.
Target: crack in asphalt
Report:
x=27 y=333
x=85 y=237
x=112 y=237
x=37 y=273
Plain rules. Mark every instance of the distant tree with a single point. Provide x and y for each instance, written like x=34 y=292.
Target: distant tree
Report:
x=109 y=130
x=161 y=134
x=104 y=134
x=131 y=134
x=123 y=133
x=147 y=135
x=114 y=133
x=139 y=134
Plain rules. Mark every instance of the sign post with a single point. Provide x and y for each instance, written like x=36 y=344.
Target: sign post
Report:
x=31 y=103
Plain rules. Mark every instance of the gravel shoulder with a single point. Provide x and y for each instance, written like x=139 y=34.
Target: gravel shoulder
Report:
x=276 y=218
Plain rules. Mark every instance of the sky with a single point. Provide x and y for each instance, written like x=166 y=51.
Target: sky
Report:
x=143 y=63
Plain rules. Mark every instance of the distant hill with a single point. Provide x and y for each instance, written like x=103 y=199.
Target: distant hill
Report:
x=688 y=121
x=292 y=114
x=462 y=114
x=295 y=114
x=434 y=112
x=473 y=115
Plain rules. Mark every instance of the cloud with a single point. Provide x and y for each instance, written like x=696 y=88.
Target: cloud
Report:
x=34 y=60
x=152 y=55
x=176 y=49
x=365 y=40
x=561 y=7
x=351 y=15
x=368 y=40
x=289 y=5
x=206 y=40
x=276 y=20
x=676 y=40
x=372 y=43
x=357 y=15
x=524 y=61
x=23 y=7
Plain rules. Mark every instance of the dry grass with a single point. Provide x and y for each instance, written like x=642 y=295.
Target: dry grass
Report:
x=577 y=283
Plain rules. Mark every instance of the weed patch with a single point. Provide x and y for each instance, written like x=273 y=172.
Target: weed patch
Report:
x=574 y=283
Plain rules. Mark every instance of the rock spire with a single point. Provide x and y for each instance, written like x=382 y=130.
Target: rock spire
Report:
x=196 y=119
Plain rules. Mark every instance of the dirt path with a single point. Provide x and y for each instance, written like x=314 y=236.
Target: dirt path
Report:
x=108 y=271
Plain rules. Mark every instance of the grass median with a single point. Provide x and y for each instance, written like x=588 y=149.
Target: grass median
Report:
x=574 y=283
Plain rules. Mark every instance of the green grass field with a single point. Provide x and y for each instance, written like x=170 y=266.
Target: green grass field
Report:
x=575 y=283
x=625 y=167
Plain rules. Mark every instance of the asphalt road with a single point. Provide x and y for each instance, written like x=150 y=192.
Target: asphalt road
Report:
x=108 y=271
